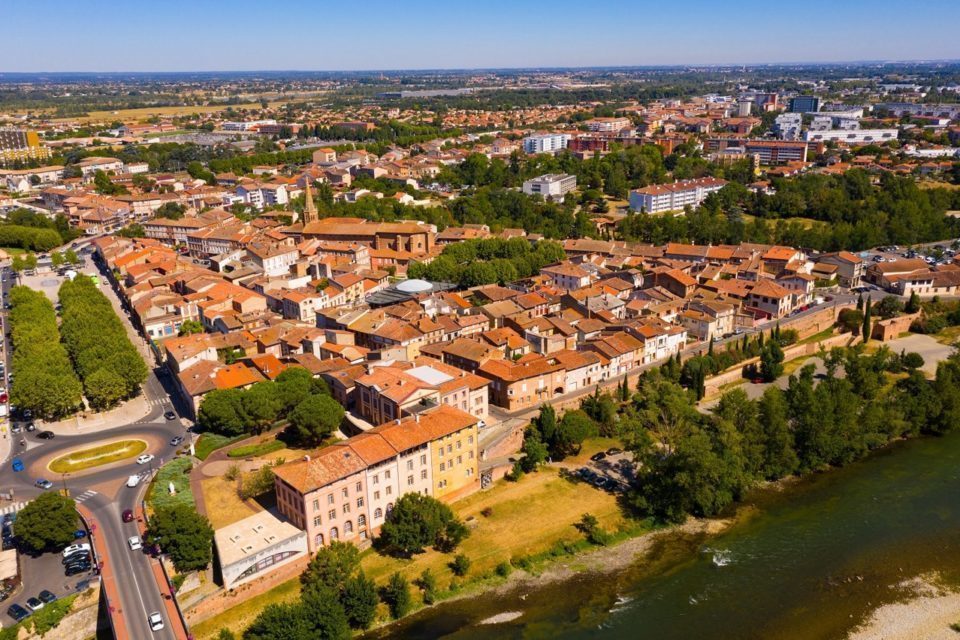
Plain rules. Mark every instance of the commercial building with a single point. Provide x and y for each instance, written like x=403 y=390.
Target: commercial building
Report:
x=245 y=126
x=257 y=545
x=804 y=104
x=546 y=142
x=608 y=125
x=20 y=144
x=674 y=197
x=551 y=185
x=854 y=137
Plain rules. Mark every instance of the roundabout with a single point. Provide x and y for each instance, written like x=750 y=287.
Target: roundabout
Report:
x=97 y=456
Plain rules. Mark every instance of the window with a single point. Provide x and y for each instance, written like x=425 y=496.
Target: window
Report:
x=469 y=439
x=386 y=474
x=389 y=490
x=409 y=465
x=334 y=534
x=441 y=452
x=378 y=513
x=423 y=474
x=409 y=480
x=347 y=527
x=333 y=514
x=376 y=479
x=316 y=505
x=359 y=487
x=359 y=503
x=376 y=495
x=470 y=455
x=459 y=459
x=449 y=448
x=345 y=492
x=330 y=499
x=316 y=521
x=361 y=520
x=346 y=508
x=443 y=466
x=423 y=459
x=318 y=540
x=459 y=444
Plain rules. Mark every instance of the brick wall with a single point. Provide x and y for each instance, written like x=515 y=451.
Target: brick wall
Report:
x=891 y=328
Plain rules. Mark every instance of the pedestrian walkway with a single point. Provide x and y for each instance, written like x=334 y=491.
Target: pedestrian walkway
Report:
x=86 y=495
x=12 y=508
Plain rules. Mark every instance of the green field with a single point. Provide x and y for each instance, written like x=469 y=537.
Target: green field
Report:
x=97 y=456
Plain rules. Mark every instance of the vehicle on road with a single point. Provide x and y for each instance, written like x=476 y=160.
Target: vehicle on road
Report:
x=156 y=621
x=133 y=481
x=135 y=543
x=43 y=484
x=127 y=515
x=17 y=464
x=176 y=441
x=145 y=458
x=75 y=548
x=47 y=597
x=17 y=612
x=46 y=435
x=16 y=428
x=170 y=415
x=34 y=604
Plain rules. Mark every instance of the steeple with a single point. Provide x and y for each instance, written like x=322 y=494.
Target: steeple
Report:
x=310 y=211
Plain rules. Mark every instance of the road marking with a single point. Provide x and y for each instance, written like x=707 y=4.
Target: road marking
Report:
x=13 y=508
x=86 y=495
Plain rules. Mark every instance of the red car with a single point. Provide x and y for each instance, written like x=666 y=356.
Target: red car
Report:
x=127 y=515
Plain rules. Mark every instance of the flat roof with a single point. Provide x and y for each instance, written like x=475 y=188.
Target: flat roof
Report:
x=252 y=535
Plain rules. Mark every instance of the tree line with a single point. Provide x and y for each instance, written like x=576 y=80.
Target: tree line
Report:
x=475 y=262
x=295 y=396
x=108 y=363
x=45 y=381
x=29 y=230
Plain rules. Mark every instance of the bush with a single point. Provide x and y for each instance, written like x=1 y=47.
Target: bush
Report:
x=258 y=483
x=503 y=569
x=428 y=584
x=396 y=595
x=460 y=565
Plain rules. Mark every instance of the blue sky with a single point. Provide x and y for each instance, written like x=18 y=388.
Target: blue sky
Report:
x=202 y=35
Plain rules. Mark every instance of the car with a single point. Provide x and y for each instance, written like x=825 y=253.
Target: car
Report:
x=43 y=484
x=135 y=543
x=27 y=414
x=47 y=597
x=482 y=424
x=76 y=558
x=17 y=612
x=127 y=515
x=597 y=481
x=610 y=484
x=16 y=429
x=133 y=481
x=9 y=518
x=155 y=621
x=76 y=570
x=75 y=548
x=612 y=451
x=34 y=604
x=17 y=464
x=145 y=458
x=31 y=427
x=170 y=415
x=79 y=533
x=176 y=441
x=597 y=457
x=46 y=435
x=583 y=472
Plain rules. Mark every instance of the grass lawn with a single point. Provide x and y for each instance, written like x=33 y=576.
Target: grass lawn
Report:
x=178 y=472
x=13 y=251
x=529 y=518
x=223 y=504
x=44 y=620
x=207 y=443
x=268 y=445
x=818 y=337
x=96 y=456
x=948 y=336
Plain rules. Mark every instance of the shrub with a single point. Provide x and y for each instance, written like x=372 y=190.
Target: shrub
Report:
x=503 y=569
x=460 y=565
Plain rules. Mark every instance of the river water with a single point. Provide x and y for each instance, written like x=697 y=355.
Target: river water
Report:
x=804 y=563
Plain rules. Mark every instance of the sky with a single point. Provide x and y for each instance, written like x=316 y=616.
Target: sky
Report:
x=204 y=35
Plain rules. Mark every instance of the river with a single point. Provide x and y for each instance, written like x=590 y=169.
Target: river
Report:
x=804 y=563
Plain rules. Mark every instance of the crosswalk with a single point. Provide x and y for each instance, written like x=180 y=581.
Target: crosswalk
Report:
x=12 y=508
x=86 y=495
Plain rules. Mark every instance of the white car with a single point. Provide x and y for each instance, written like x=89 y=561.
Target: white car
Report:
x=134 y=542
x=145 y=458
x=156 y=621
x=133 y=481
x=75 y=548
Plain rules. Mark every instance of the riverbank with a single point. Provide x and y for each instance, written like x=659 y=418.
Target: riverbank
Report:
x=928 y=614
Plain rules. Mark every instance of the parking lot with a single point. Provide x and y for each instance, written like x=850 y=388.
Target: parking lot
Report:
x=611 y=470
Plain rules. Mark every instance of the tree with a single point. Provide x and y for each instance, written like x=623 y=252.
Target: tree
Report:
x=315 y=418
x=71 y=257
x=47 y=523
x=222 y=411
x=280 y=622
x=889 y=307
x=850 y=320
x=331 y=567
x=534 y=451
x=262 y=405
x=771 y=361
x=104 y=388
x=779 y=456
x=867 y=320
x=325 y=615
x=294 y=385
x=913 y=304
x=183 y=534
x=575 y=427
x=589 y=526
x=190 y=327
x=359 y=600
x=428 y=584
x=56 y=259
x=171 y=211
x=396 y=595
x=418 y=521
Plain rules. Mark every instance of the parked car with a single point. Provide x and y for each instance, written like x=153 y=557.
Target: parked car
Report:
x=17 y=612
x=47 y=597
x=16 y=428
x=46 y=435
x=597 y=457
x=170 y=415
x=43 y=484
x=176 y=441
x=76 y=570
x=34 y=604
x=135 y=543
x=156 y=621
x=79 y=533
x=612 y=451
x=31 y=427
x=145 y=458
x=127 y=515
x=75 y=548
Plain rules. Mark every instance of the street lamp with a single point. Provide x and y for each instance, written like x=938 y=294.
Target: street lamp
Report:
x=63 y=477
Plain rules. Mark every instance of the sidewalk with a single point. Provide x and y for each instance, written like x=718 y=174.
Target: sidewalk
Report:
x=108 y=579
x=126 y=414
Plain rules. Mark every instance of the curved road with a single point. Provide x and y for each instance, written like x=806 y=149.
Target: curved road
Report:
x=104 y=492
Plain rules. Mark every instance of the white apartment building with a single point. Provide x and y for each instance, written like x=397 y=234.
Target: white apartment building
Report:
x=673 y=197
x=608 y=125
x=852 y=137
x=244 y=126
x=551 y=185
x=546 y=142
x=787 y=126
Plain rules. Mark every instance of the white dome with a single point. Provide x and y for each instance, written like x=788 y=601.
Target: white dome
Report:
x=414 y=286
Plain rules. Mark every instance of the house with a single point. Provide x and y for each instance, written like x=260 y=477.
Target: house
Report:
x=850 y=268
x=525 y=383
x=255 y=546
x=770 y=299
